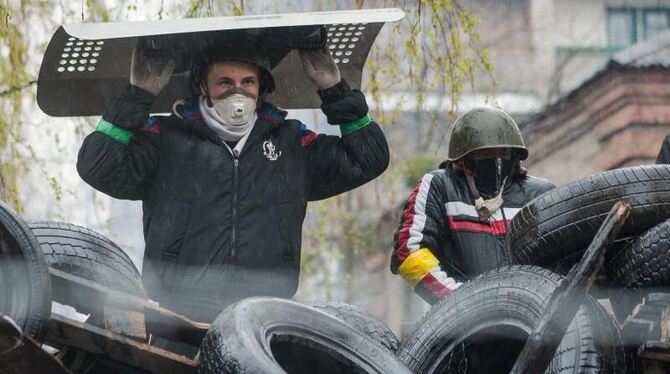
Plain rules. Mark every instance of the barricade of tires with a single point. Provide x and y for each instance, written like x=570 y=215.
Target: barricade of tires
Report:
x=484 y=324
x=560 y=223
x=252 y=336
x=555 y=228
x=480 y=328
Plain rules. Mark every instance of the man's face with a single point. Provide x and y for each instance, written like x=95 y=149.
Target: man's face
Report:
x=224 y=75
x=490 y=167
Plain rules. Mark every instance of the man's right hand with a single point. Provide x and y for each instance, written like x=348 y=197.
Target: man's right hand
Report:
x=150 y=71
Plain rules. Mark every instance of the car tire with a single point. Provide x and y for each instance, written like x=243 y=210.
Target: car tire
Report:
x=361 y=321
x=79 y=251
x=85 y=253
x=643 y=265
x=25 y=284
x=483 y=325
x=562 y=222
x=271 y=335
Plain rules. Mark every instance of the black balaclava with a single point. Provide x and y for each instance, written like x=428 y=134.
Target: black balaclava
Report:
x=490 y=173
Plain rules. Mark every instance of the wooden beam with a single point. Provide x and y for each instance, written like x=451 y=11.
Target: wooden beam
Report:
x=655 y=350
x=86 y=296
x=128 y=323
x=568 y=297
x=66 y=332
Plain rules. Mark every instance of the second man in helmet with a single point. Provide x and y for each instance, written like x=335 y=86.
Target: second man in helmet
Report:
x=454 y=223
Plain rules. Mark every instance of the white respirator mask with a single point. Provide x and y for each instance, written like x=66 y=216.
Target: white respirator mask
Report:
x=235 y=107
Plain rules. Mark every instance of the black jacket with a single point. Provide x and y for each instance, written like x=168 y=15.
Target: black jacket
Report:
x=441 y=240
x=218 y=226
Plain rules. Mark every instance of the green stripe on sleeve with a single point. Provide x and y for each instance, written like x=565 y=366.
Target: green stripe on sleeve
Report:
x=117 y=133
x=348 y=128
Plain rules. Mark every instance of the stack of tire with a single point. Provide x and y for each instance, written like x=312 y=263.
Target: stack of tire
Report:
x=483 y=325
x=554 y=229
x=255 y=335
x=320 y=337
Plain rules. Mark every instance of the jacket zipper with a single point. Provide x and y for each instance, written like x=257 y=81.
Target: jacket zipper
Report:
x=236 y=162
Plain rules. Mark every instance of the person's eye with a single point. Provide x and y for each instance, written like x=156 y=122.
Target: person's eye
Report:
x=226 y=83
x=249 y=82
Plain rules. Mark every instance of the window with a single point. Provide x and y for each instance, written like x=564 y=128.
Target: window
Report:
x=621 y=28
x=626 y=26
x=655 y=21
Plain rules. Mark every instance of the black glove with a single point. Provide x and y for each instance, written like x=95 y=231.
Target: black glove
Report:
x=129 y=110
x=343 y=105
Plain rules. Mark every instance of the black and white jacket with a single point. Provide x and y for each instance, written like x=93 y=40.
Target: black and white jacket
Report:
x=441 y=240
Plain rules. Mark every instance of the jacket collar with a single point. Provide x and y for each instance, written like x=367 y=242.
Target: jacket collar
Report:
x=271 y=113
x=270 y=117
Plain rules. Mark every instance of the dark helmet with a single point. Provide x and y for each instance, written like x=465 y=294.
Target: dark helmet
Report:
x=246 y=52
x=483 y=128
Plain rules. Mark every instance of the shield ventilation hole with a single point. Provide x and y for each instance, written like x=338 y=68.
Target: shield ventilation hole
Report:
x=342 y=40
x=79 y=55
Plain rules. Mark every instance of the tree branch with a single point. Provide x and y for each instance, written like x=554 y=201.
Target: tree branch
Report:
x=13 y=89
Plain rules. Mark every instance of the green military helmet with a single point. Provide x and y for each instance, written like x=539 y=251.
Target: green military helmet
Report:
x=483 y=128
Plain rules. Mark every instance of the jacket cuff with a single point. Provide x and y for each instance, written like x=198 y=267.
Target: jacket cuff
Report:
x=432 y=290
x=348 y=128
x=334 y=93
x=139 y=95
x=130 y=109
x=117 y=133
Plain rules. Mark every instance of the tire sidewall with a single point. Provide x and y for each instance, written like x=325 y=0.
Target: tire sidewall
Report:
x=37 y=286
x=240 y=338
x=511 y=296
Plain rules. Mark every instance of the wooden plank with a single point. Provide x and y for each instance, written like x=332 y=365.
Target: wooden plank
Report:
x=19 y=354
x=665 y=324
x=649 y=320
x=66 y=332
x=660 y=298
x=568 y=296
x=86 y=296
x=653 y=367
x=10 y=334
x=125 y=322
x=655 y=350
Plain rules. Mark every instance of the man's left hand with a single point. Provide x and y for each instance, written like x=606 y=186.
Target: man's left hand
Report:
x=320 y=67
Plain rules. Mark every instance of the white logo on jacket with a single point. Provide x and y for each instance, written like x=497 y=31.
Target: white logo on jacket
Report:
x=270 y=151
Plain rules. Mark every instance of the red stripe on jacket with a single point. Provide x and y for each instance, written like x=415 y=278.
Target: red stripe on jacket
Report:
x=307 y=138
x=407 y=221
x=495 y=228
x=434 y=286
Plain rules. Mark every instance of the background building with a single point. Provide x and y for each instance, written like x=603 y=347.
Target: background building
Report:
x=617 y=118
